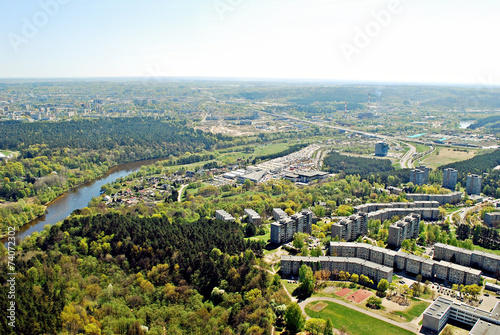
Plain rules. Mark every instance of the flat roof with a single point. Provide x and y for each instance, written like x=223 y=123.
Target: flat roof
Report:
x=484 y=328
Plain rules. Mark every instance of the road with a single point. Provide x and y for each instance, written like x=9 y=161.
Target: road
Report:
x=406 y=160
x=408 y=326
x=179 y=196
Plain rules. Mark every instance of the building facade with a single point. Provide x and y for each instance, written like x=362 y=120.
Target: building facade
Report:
x=223 y=215
x=253 y=216
x=350 y=228
x=449 y=198
x=419 y=176
x=450 y=177
x=282 y=230
x=428 y=210
x=475 y=258
x=473 y=184
x=436 y=316
x=290 y=265
x=381 y=149
x=428 y=268
x=404 y=229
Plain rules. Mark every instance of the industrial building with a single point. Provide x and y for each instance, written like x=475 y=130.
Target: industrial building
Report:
x=419 y=176
x=223 y=215
x=290 y=265
x=282 y=230
x=450 y=177
x=473 y=184
x=381 y=149
x=436 y=316
x=404 y=229
x=254 y=177
x=475 y=258
x=415 y=265
x=252 y=216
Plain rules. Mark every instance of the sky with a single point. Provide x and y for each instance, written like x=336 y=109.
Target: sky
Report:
x=422 y=41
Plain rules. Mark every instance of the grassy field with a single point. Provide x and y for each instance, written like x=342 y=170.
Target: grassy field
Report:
x=420 y=147
x=444 y=156
x=290 y=287
x=414 y=311
x=264 y=238
x=496 y=252
x=354 y=322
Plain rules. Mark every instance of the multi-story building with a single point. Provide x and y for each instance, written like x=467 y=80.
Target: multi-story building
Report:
x=350 y=228
x=381 y=149
x=279 y=214
x=450 y=177
x=428 y=210
x=253 y=216
x=282 y=230
x=223 y=215
x=415 y=265
x=441 y=310
x=419 y=176
x=449 y=198
x=492 y=219
x=404 y=229
x=290 y=265
x=475 y=258
x=473 y=184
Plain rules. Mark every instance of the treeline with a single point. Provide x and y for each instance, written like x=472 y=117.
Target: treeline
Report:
x=293 y=148
x=482 y=122
x=337 y=163
x=485 y=237
x=162 y=137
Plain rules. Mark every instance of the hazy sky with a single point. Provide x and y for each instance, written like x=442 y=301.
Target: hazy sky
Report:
x=452 y=41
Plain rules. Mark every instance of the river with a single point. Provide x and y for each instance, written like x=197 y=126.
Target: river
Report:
x=78 y=198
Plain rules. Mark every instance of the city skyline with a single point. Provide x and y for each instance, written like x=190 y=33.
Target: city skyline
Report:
x=358 y=41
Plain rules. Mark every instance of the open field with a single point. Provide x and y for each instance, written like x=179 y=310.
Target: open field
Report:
x=354 y=322
x=265 y=238
x=444 y=156
x=414 y=311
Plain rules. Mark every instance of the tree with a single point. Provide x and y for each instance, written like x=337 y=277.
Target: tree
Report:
x=374 y=302
x=306 y=280
x=315 y=326
x=328 y=328
x=354 y=278
x=383 y=285
x=294 y=319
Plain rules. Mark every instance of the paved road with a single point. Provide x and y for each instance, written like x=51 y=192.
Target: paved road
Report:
x=406 y=160
x=408 y=326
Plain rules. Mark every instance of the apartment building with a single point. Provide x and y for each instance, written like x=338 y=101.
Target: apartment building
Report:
x=448 y=198
x=223 y=215
x=282 y=230
x=404 y=229
x=428 y=210
x=492 y=219
x=473 y=184
x=478 y=259
x=450 y=177
x=290 y=265
x=253 y=216
x=350 y=228
x=415 y=265
x=419 y=176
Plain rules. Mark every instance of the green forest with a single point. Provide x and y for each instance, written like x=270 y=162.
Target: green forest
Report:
x=113 y=274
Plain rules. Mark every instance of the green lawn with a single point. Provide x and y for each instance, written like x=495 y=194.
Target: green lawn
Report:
x=496 y=252
x=290 y=287
x=414 y=311
x=264 y=238
x=354 y=322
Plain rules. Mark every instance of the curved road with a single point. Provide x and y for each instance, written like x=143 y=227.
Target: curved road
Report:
x=406 y=160
x=179 y=197
x=408 y=326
